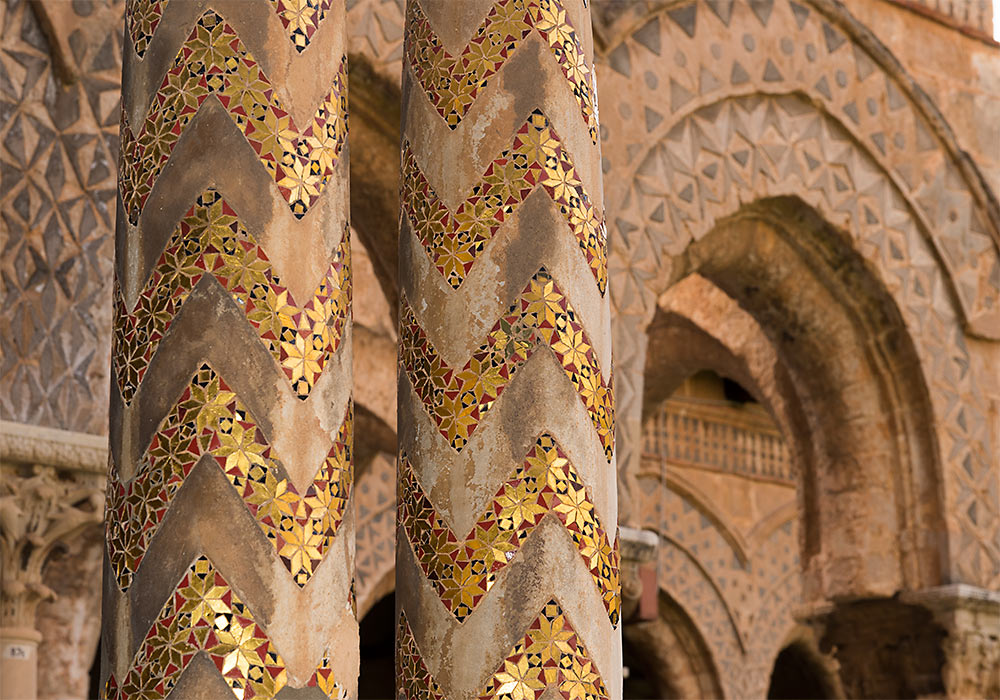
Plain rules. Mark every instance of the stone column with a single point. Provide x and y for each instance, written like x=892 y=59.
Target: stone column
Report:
x=230 y=533
x=507 y=567
x=49 y=495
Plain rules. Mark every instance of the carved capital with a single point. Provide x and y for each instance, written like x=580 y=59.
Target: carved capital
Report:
x=971 y=618
x=41 y=507
x=638 y=548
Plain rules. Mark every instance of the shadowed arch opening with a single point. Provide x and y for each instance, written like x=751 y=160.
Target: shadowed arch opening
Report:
x=871 y=489
x=670 y=655
x=799 y=675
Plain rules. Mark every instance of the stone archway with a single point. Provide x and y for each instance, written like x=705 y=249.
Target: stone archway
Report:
x=845 y=384
x=856 y=370
x=801 y=672
x=740 y=102
x=728 y=518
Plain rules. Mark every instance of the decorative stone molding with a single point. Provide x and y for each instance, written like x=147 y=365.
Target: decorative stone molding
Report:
x=52 y=487
x=32 y=444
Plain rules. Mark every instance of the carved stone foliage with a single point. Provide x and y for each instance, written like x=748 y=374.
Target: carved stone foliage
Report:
x=732 y=102
x=59 y=102
x=40 y=508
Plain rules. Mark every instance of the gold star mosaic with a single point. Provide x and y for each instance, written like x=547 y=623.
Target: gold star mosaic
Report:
x=551 y=655
x=537 y=158
x=211 y=241
x=458 y=398
x=214 y=62
x=300 y=18
x=209 y=419
x=463 y=570
x=453 y=83
x=204 y=615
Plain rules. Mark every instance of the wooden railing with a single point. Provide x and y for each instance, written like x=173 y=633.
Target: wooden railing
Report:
x=713 y=435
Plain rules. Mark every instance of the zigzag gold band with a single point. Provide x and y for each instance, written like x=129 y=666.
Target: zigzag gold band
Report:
x=209 y=419
x=301 y=19
x=204 y=615
x=211 y=241
x=550 y=655
x=458 y=399
x=452 y=84
x=214 y=62
x=464 y=569
x=536 y=159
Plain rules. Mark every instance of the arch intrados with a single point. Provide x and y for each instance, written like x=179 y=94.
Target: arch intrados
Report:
x=678 y=348
x=804 y=651
x=804 y=254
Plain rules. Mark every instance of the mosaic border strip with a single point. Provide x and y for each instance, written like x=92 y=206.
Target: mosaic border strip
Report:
x=300 y=18
x=457 y=399
x=211 y=240
x=551 y=654
x=452 y=83
x=205 y=615
x=537 y=158
x=209 y=419
x=463 y=570
x=213 y=61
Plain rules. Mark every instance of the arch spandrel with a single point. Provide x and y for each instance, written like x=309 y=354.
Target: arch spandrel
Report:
x=683 y=57
x=728 y=109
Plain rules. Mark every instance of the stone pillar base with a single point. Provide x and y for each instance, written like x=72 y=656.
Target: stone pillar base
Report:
x=19 y=662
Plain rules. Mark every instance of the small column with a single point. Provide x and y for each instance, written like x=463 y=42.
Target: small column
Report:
x=230 y=530
x=507 y=563
x=41 y=507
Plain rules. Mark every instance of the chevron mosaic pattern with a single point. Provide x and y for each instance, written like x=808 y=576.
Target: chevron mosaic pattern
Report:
x=204 y=615
x=214 y=62
x=209 y=419
x=453 y=83
x=458 y=398
x=211 y=241
x=550 y=655
x=301 y=19
x=464 y=569
x=536 y=159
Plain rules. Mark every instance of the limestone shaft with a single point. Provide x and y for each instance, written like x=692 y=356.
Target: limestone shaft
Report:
x=229 y=524
x=507 y=563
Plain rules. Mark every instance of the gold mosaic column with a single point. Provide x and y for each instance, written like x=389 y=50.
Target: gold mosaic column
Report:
x=507 y=566
x=230 y=529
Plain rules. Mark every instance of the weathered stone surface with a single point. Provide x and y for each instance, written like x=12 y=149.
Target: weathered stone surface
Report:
x=893 y=144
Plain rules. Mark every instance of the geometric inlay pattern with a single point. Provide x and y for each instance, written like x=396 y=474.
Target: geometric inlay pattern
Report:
x=453 y=83
x=210 y=240
x=301 y=19
x=463 y=570
x=458 y=398
x=213 y=61
x=550 y=655
x=209 y=419
x=537 y=157
x=204 y=614
x=58 y=146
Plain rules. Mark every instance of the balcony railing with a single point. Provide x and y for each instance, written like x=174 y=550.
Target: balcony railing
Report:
x=713 y=435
